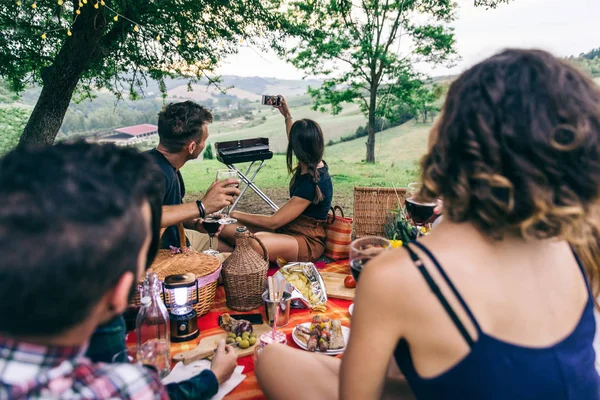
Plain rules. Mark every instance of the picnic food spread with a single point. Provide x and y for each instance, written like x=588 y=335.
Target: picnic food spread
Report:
x=323 y=334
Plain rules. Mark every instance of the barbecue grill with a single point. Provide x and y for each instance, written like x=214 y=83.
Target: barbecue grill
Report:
x=255 y=151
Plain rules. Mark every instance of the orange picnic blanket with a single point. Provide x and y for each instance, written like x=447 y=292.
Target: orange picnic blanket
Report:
x=208 y=324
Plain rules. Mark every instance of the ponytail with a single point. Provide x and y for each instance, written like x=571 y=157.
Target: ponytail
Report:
x=315 y=175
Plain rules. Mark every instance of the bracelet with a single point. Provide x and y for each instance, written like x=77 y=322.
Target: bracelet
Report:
x=286 y=118
x=201 y=209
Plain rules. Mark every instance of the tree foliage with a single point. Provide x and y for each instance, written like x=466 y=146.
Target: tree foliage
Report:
x=12 y=122
x=588 y=62
x=356 y=46
x=119 y=44
x=490 y=3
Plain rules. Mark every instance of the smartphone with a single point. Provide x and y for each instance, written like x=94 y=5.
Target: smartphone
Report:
x=269 y=100
x=254 y=319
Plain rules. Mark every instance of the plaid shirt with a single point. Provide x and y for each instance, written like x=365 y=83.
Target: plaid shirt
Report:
x=33 y=371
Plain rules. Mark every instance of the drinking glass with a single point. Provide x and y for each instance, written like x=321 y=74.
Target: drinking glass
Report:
x=211 y=225
x=363 y=250
x=419 y=211
x=129 y=355
x=222 y=175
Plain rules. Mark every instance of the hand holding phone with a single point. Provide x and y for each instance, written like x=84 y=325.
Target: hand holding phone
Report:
x=271 y=100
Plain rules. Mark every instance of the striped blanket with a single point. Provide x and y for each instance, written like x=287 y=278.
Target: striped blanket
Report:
x=208 y=324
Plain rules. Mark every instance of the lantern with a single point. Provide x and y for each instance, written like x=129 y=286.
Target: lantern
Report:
x=182 y=315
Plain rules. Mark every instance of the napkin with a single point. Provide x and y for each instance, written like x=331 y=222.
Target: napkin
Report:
x=183 y=372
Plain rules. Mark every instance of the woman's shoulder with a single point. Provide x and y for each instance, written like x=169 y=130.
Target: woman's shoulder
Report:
x=391 y=273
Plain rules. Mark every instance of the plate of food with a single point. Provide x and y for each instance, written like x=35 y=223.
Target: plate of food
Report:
x=322 y=335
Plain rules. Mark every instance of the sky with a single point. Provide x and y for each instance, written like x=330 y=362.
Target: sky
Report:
x=563 y=27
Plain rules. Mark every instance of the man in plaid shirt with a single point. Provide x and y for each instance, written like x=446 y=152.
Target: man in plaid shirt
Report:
x=79 y=224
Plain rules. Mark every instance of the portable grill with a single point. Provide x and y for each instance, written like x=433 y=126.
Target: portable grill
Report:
x=255 y=151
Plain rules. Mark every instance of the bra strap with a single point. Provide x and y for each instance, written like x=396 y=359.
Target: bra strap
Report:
x=438 y=293
x=582 y=269
x=450 y=284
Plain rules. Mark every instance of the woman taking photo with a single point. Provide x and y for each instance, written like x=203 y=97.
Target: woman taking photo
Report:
x=493 y=303
x=296 y=232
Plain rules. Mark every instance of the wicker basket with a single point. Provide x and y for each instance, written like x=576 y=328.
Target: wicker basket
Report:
x=206 y=268
x=372 y=205
x=245 y=273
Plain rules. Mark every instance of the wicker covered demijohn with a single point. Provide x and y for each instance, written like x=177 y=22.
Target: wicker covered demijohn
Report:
x=176 y=261
x=245 y=273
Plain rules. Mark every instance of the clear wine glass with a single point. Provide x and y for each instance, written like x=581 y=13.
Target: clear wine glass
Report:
x=363 y=250
x=419 y=211
x=211 y=225
x=222 y=175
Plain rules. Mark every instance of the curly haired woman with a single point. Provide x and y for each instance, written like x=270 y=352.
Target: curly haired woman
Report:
x=494 y=303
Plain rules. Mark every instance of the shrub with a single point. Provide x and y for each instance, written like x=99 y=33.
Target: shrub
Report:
x=208 y=152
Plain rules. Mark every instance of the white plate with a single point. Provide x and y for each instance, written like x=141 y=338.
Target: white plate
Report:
x=345 y=332
x=351 y=308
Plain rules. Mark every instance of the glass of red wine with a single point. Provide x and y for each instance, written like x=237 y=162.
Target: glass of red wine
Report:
x=421 y=212
x=211 y=225
x=363 y=250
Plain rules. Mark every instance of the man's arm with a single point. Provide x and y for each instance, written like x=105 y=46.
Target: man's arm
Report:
x=201 y=386
x=218 y=196
x=181 y=213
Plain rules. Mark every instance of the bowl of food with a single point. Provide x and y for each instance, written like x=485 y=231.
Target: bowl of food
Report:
x=308 y=288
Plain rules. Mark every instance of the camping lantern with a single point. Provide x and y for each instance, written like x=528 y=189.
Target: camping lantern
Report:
x=184 y=325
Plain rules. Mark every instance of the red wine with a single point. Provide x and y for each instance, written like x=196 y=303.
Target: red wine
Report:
x=356 y=267
x=420 y=213
x=211 y=225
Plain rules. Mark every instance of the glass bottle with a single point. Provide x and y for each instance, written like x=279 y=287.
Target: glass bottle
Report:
x=152 y=328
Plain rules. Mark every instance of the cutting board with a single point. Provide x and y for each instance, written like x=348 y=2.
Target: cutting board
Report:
x=207 y=345
x=334 y=284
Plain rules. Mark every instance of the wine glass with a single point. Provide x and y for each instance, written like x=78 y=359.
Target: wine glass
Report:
x=129 y=355
x=419 y=211
x=211 y=225
x=222 y=175
x=363 y=250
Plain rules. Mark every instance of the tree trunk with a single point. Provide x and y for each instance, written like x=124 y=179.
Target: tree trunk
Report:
x=60 y=83
x=371 y=126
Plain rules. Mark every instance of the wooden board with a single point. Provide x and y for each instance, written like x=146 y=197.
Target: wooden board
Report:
x=334 y=284
x=207 y=345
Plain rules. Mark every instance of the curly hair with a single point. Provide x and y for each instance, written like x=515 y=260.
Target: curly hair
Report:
x=178 y=123
x=517 y=151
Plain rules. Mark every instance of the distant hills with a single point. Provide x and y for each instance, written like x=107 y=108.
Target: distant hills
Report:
x=248 y=88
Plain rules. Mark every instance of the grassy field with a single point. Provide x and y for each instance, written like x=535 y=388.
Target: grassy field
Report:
x=397 y=151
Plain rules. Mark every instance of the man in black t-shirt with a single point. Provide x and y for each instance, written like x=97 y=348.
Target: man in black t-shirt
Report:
x=183 y=130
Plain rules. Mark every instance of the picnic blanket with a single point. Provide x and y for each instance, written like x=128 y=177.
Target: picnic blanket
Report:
x=208 y=325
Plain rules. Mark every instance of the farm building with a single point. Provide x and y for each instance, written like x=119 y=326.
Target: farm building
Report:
x=131 y=134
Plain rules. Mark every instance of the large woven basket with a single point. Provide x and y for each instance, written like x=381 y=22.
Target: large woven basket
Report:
x=183 y=260
x=372 y=206
x=245 y=274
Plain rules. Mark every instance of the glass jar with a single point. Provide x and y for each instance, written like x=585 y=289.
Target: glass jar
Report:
x=266 y=339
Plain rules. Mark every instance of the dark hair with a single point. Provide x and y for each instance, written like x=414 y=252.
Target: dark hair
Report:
x=307 y=144
x=180 y=123
x=70 y=227
x=517 y=149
